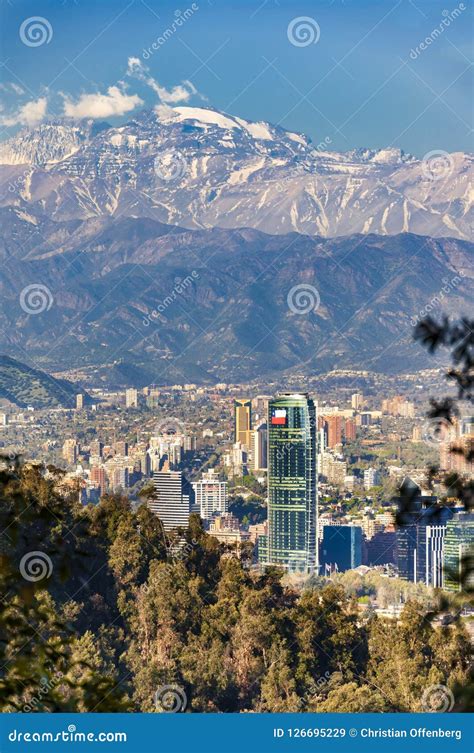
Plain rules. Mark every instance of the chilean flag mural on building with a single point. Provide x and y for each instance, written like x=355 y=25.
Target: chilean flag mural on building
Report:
x=279 y=417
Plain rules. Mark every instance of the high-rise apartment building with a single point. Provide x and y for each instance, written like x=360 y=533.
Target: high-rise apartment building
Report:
x=96 y=448
x=242 y=421
x=259 y=448
x=371 y=478
x=333 y=429
x=292 y=488
x=70 y=451
x=357 y=401
x=131 y=398
x=398 y=406
x=350 y=430
x=98 y=477
x=120 y=478
x=79 y=402
x=210 y=495
x=121 y=448
x=173 y=499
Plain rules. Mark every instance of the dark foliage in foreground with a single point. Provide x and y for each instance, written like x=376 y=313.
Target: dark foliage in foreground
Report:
x=116 y=622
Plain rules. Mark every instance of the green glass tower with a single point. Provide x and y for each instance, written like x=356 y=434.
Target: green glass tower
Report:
x=292 y=484
x=458 y=547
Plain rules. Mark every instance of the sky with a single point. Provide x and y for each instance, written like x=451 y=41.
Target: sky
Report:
x=375 y=73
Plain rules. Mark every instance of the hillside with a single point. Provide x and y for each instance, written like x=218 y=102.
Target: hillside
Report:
x=25 y=386
x=146 y=302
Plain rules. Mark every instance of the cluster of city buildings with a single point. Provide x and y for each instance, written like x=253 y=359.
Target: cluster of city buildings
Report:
x=300 y=453
x=428 y=548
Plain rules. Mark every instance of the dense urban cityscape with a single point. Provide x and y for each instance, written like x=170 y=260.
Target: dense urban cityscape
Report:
x=285 y=480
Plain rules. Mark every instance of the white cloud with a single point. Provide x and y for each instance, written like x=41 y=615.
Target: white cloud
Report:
x=114 y=102
x=10 y=86
x=29 y=114
x=180 y=93
x=17 y=89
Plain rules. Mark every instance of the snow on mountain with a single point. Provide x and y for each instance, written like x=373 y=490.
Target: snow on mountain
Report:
x=196 y=167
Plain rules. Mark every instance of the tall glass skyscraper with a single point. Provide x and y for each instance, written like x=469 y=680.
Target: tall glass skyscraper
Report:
x=420 y=538
x=458 y=548
x=292 y=484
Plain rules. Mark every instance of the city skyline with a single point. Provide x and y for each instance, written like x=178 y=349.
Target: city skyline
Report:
x=236 y=373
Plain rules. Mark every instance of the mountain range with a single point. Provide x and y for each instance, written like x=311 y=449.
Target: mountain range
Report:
x=199 y=247
x=199 y=168
x=134 y=301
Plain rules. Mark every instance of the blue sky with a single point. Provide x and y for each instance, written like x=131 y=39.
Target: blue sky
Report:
x=363 y=83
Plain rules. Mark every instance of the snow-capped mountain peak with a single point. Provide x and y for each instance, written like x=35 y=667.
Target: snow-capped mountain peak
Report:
x=198 y=167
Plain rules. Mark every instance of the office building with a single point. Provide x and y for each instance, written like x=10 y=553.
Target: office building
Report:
x=242 y=422
x=172 y=500
x=341 y=548
x=458 y=547
x=381 y=548
x=292 y=490
x=210 y=495
x=259 y=448
x=420 y=537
